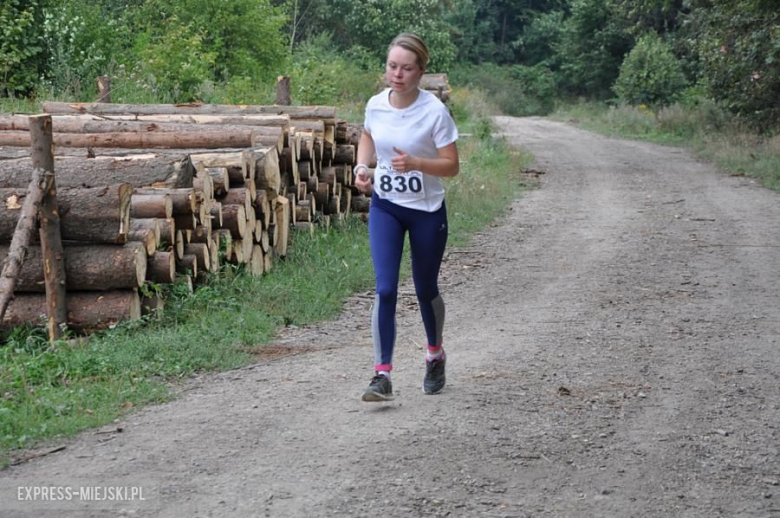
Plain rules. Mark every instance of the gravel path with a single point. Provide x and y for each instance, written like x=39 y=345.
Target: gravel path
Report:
x=612 y=347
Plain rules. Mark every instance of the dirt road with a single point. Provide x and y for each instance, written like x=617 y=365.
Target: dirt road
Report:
x=613 y=351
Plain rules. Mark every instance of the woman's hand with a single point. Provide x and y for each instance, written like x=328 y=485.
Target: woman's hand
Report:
x=363 y=180
x=403 y=162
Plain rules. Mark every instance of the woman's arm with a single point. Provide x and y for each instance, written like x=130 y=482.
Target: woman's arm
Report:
x=447 y=164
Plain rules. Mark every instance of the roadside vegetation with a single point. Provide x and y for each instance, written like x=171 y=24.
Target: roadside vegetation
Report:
x=707 y=130
x=702 y=73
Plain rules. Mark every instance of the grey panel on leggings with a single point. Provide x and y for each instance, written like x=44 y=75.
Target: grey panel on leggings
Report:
x=438 y=312
x=375 y=332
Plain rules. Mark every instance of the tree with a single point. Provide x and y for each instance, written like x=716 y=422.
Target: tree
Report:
x=737 y=43
x=21 y=48
x=367 y=27
x=650 y=74
x=592 y=47
x=245 y=36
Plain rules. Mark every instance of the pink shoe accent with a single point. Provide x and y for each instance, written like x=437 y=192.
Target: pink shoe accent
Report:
x=386 y=367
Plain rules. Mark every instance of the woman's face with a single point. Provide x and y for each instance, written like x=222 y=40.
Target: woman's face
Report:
x=402 y=72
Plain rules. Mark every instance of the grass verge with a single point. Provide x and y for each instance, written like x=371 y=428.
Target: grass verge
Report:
x=707 y=130
x=49 y=392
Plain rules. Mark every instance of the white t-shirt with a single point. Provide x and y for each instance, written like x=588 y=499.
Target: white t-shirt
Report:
x=420 y=129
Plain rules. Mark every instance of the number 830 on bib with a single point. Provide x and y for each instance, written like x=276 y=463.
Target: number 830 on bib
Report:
x=392 y=185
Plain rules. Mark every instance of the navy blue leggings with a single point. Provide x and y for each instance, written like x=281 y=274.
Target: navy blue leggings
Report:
x=388 y=224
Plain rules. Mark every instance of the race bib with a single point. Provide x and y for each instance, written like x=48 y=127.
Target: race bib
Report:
x=392 y=185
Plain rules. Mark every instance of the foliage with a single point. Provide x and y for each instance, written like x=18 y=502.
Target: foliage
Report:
x=177 y=62
x=372 y=24
x=21 y=48
x=643 y=16
x=79 y=47
x=591 y=49
x=650 y=74
x=183 y=44
x=320 y=74
x=739 y=47
x=537 y=43
x=515 y=90
x=474 y=25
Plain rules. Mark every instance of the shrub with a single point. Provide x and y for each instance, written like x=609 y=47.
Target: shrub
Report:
x=21 y=49
x=517 y=90
x=321 y=75
x=177 y=63
x=650 y=74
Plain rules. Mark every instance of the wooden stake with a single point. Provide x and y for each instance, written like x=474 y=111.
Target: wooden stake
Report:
x=51 y=240
x=283 y=91
x=21 y=238
x=104 y=89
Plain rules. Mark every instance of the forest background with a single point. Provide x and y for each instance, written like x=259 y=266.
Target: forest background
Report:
x=719 y=56
x=700 y=73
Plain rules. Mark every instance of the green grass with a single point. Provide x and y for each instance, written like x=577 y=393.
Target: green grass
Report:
x=705 y=129
x=50 y=392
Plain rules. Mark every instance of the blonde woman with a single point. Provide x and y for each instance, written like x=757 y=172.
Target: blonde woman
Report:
x=413 y=137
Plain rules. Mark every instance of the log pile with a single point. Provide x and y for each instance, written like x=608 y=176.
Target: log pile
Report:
x=438 y=84
x=169 y=193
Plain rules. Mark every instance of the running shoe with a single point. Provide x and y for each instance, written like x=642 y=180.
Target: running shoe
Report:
x=433 y=383
x=380 y=389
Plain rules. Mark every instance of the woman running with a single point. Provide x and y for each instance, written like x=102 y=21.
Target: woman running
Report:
x=413 y=137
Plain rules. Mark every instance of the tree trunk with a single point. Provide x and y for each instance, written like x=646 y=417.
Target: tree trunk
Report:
x=87 y=267
x=361 y=203
x=161 y=268
x=104 y=89
x=240 y=164
x=346 y=201
x=283 y=225
x=80 y=124
x=216 y=215
x=257 y=262
x=87 y=311
x=263 y=124
x=333 y=206
x=234 y=219
x=144 y=140
x=220 y=179
x=183 y=200
x=23 y=231
x=151 y=206
x=96 y=215
x=267 y=175
x=187 y=265
x=237 y=252
x=201 y=253
x=145 y=232
x=173 y=170
x=283 y=91
x=322 y=194
x=345 y=154
x=238 y=196
x=295 y=112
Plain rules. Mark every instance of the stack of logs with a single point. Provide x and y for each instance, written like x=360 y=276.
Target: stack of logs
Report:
x=438 y=84
x=167 y=193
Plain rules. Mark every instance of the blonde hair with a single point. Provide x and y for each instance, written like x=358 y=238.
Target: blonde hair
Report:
x=414 y=44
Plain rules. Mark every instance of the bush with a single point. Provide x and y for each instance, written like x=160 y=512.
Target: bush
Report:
x=517 y=90
x=177 y=63
x=650 y=74
x=321 y=75
x=21 y=49
x=687 y=121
